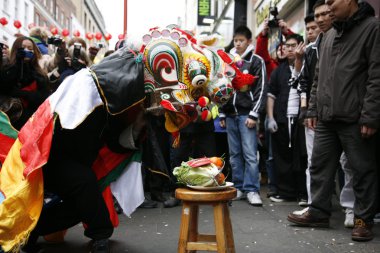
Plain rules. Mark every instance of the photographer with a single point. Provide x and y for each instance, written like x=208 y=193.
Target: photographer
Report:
x=262 y=44
x=24 y=79
x=75 y=60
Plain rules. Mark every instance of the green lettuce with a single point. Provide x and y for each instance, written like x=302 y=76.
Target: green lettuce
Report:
x=200 y=176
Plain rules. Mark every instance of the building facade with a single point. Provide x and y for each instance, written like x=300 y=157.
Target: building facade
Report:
x=12 y=10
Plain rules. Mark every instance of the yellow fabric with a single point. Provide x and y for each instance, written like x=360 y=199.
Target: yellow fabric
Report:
x=21 y=208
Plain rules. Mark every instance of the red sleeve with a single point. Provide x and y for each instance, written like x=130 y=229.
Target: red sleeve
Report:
x=262 y=48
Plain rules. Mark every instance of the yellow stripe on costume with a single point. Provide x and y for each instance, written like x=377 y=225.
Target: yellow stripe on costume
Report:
x=21 y=208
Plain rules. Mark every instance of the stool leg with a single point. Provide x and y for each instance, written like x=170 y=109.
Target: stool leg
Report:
x=229 y=232
x=193 y=234
x=219 y=227
x=184 y=229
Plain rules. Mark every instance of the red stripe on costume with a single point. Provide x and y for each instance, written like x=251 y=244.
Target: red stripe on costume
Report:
x=106 y=162
x=36 y=136
x=6 y=144
x=107 y=196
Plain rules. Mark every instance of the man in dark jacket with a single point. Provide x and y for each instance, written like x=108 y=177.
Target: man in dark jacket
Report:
x=347 y=104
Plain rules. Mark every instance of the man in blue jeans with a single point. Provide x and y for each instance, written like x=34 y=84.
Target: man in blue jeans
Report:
x=240 y=115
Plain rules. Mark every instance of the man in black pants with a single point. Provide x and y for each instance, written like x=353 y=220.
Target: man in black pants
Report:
x=347 y=104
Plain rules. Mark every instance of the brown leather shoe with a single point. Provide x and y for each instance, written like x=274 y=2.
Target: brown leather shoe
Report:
x=362 y=231
x=306 y=219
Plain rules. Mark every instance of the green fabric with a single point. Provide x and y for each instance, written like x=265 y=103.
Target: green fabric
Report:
x=6 y=127
x=118 y=170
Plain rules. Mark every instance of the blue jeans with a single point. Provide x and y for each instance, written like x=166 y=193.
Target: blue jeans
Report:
x=242 y=142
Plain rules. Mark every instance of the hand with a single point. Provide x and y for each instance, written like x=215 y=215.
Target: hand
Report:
x=300 y=50
x=250 y=123
x=283 y=26
x=265 y=30
x=367 y=131
x=312 y=123
x=272 y=125
x=63 y=65
x=222 y=123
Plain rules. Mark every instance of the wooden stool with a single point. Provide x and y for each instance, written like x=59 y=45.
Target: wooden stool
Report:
x=189 y=238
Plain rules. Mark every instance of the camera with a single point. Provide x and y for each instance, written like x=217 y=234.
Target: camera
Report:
x=75 y=64
x=100 y=45
x=273 y=23
x=56 y=41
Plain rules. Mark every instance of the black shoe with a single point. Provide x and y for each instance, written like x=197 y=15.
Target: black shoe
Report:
x=148 y=204
x=100 y=246
x=117 y=206
x=172 y=202
x=158 y=197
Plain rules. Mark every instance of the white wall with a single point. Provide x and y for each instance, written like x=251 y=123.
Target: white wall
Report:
x=25 y=16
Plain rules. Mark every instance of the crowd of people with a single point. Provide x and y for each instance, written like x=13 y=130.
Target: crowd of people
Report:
x=309 y=122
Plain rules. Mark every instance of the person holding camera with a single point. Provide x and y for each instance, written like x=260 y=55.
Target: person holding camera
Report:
x=23 y=78
x=75 y=60
x=262 y=44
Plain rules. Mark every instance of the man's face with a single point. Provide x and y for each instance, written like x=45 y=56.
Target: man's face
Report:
x=290 y=46
x=241 y=43
x=340 y=9
x=312 y=31
x=322 y=17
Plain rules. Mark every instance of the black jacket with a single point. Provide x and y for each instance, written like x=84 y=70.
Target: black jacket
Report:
x=348 y=88
x=306 y=76
x=279 y=89
x=251 y=102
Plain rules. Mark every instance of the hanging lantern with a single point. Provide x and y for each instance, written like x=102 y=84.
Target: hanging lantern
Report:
x=3 y=21
x=89 y=36
x=107 y=36
x=98 y=36
x=17 y=24
x=54 y=30
x=65 y=32
x=121 y=36
x=31 y=25
x=76 y=33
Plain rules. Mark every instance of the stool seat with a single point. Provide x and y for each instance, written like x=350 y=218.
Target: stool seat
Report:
x=195 y=195
x=189 y=238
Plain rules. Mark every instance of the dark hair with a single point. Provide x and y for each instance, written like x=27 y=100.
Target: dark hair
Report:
x=309 y=18
x=295 y=36
x=108 y=53
x=318 y=3
x=243 y=30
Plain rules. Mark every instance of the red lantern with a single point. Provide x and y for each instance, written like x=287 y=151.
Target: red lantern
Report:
x=65 y=32
x=121 y=36
x=107 y=36
x=98 y=36
x=89 y=36
x=3 y=21
x=31 y=25
x=17 y=24
x=76 y=33
x=54 y=30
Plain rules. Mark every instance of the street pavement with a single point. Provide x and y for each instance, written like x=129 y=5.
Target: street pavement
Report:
x=256 y=229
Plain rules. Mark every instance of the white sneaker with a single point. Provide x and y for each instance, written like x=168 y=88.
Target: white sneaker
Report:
x=349 y=221
x=301 y=212
x=239 y=195
x=254 y=199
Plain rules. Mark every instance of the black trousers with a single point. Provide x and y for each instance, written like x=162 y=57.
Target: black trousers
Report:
x=82 y=200
x=290 y=161
x=329 y=142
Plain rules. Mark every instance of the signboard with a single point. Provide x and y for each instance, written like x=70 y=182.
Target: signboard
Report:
x=204 y=11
